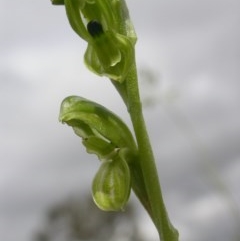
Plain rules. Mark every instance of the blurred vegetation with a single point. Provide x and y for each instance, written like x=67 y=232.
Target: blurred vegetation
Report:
x=77 y=219
x=207 y=164
x=149 y=81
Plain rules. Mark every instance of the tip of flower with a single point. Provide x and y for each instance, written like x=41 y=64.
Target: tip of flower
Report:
x=57 y=2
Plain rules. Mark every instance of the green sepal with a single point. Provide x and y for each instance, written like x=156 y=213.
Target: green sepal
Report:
x=111 y=55
x=100 y=10
x=89 y=118
x=102 y=148
x=122 y=22
x=107 y=50
x=112 y=14
x=80 y=128
x=73 y=8
x=112 y=185
x=94 y=143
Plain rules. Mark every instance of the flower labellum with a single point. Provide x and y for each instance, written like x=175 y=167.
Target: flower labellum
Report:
x=111 y=185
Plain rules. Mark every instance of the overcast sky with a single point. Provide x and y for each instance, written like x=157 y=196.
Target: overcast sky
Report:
x=189 y=49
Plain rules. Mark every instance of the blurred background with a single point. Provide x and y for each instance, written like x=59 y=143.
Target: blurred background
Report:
x=188 y=58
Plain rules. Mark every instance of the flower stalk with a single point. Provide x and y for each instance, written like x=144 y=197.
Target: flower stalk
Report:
x=158 y=210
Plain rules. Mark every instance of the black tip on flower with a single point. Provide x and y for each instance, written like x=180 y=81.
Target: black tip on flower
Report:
x=94 y=28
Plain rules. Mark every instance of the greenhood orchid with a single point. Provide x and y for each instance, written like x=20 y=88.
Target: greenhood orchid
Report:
x=106 y=26
x=126 y=157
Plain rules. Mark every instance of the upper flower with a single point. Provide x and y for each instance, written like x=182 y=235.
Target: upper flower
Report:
x=106 y=26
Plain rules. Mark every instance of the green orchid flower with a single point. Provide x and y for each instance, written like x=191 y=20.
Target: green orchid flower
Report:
x=106 y=26
x=102 y=131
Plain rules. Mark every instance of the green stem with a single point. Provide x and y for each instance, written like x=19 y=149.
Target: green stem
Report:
x=147 y=163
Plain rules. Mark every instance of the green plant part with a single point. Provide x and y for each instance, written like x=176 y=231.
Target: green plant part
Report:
x=100 y=147
x=125 y=161
x=101 y=130
x=112 y=184
x=109 y=54
x=112 y=14
x=106 y=26
x=57 y=2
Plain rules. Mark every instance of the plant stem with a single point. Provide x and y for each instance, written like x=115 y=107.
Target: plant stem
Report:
x=147 y=163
